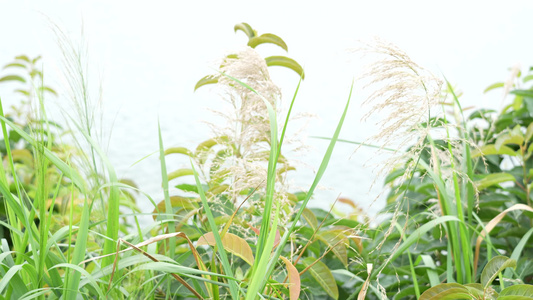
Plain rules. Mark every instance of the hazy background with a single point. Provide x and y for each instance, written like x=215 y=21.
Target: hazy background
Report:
x=147 y=58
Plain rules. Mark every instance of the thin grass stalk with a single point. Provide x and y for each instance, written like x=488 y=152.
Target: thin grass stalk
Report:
x=234 y=291
x=113 y=213
x=447 y=203
x=168 y=206
x=318 y=176
x=470 y=193
x=267 y=232
x=463 y=232
x=11 y=215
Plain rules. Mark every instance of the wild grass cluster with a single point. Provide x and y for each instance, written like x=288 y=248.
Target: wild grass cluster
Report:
x=457 y=221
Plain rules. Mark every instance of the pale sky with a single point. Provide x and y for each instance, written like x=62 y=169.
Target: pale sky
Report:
x=148 y=56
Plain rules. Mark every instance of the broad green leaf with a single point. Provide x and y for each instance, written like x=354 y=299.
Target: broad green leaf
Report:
x=475 y=289
x=494 y=86
x=493 y=179
x=209 y=79
x=491 y=150
x=322 y=275
x=179 y=173
x=15 y=65
x=310 y=217
x=523 y=93
x=446 y=291
x=247 y=29
x=529 y=132
x=517 y=292
x=232 y=243
x=494 y=267
x=219 y=189
x=294 y=279
x=24 y=58
x=178 y=150
x=13 y=78
x=286 y=62
x=267 y=38
x=508 y=138
x=527 y=78
x=337 y=241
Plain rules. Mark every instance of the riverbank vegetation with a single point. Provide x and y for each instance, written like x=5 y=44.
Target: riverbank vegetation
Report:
x=457 y=223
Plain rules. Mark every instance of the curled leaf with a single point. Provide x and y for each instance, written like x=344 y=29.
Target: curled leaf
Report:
x=286 y=62
x=267 y=38
x=247 y=29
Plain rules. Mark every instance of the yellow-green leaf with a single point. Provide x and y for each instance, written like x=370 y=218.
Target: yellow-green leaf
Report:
x=517 y=292
x=294 y=279
x=232 y=243
x=509 y=138
x=247 y=29
x=492 y=179
x=13 y=78
x=446 y=291
x=176 y=201
x=286 y=62
x=267 y=38
x=179 y=173
x=209 y=79
x=310 y=217
x=337 y=241
x=178 y=150
x=494 y=86
x=491 y=150
x=322 y=274
x=494 y=267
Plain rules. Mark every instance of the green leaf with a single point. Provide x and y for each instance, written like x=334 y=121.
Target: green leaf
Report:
x=310 y=217
x=13 y=78
x=15 y=65
x=494 y=86
x=494 y=267
x=517 y=292
x=323 y=276
x=527 y=78
x=493 y=179
x=491 y=150
x=509 y=138
x=476 y=290
x=446 y=291
x=523 y=93
x=267 y=38
x=209 y=79
x=23 y=57
x=179 y=150
x=337 y=241
x=529 y=132
x=247 y=29
x=179 y=173
x=286 y=62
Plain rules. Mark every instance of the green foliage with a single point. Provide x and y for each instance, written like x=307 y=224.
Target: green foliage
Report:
x=255 y=40
x=485 y=290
